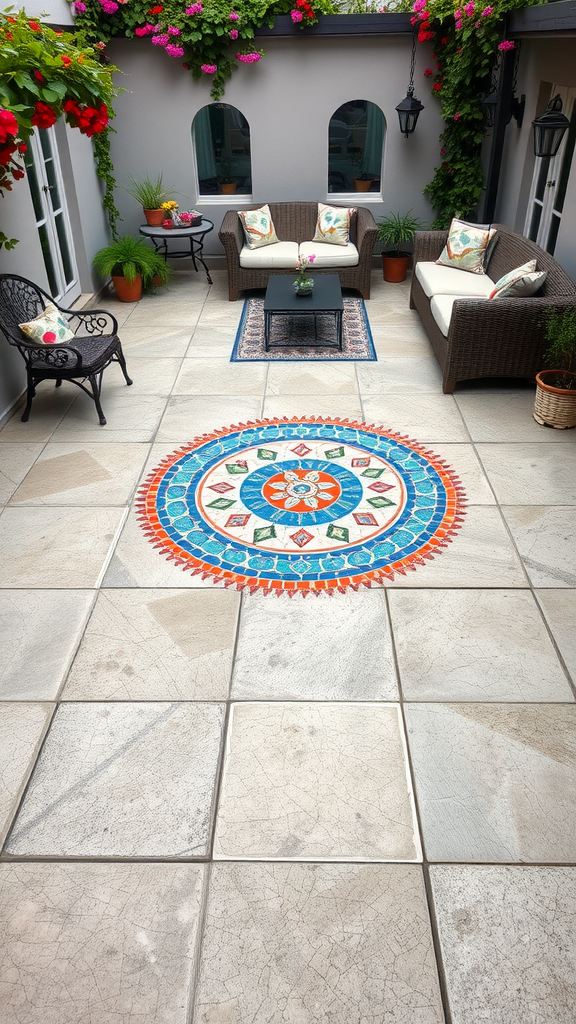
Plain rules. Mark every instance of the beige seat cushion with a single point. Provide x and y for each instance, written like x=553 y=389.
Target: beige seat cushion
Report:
x=441 y=307
x=283 y=255
x=440 y=280
x=328 y=255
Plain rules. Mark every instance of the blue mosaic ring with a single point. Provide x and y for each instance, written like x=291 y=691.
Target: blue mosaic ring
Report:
x=310 y=504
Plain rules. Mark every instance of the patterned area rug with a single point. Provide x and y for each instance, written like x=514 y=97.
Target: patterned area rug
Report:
x=310 y=505
x=356 y=336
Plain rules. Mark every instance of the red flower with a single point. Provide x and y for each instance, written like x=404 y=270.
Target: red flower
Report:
x=43 y=116
x=437 y=86
x=444 y=40
x=8 y=124
x=39 y=76
x=17 y=173
x=6 y=154
x=156 y=10
x=428 y=72
x=34 y=26
x=424 y=36
x=65 y=60
x=22 y=147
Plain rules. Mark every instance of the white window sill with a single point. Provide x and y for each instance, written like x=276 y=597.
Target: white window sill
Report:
x=348 y=197
x=218 y=200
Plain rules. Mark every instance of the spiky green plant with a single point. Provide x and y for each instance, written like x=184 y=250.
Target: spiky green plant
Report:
x=127 y=257
x=560 y=331
x=149 y=192
x=397 y=230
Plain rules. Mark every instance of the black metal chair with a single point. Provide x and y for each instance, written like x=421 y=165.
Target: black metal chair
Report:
x=94 y=346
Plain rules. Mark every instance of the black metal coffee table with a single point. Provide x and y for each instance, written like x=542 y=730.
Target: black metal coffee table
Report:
x=323 y=307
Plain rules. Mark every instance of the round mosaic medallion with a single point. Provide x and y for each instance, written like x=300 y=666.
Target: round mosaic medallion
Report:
x=301 y=505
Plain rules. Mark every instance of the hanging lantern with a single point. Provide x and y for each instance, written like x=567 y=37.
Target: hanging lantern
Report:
x=489 y=104
x=408 y=111
x=409 y=108
x=549 y=129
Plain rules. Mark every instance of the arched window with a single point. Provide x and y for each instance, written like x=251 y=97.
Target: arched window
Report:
x=221 y=136
x=355 y=146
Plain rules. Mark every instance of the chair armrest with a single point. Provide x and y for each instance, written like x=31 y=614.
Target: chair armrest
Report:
x=366 y=232
x=55 y=356
x=231 y=233
x=94 y=323
x=428 y=245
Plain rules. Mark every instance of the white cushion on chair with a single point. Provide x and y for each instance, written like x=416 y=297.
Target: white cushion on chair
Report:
x=439 y=280
x=329 y=255
x=441 y=308
x=283 y=255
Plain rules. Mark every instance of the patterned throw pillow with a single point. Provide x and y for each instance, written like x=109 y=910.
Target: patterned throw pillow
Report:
x=519 y=283
x=49 y=328
x=258 y=227
x=333 y=224
x=467 y=247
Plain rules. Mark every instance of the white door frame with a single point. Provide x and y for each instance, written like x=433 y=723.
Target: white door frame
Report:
x=546 y=179
x=52 y=218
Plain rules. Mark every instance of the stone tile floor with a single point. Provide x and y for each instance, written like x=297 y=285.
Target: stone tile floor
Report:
x=231 y=809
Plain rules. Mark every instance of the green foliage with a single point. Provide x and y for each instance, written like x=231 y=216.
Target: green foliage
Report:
x=7 y=243
x=560 y=331
x=204 y=37
x=43 y=72
x=398 y=229
x=150 y=193
x=127 y=257
x=465 y=38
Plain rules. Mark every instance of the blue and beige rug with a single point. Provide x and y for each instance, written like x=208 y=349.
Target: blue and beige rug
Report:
x=357 y=341
x=301 y=505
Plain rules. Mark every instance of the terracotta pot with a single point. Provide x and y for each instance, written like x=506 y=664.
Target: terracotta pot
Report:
x=361 y=185
x=228 y=188
x=127 y=292
x=395 y=268
x=154 y=217
x=555 y=407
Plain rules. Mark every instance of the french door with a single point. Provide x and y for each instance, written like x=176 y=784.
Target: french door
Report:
x=548 y=190
x=52 y=221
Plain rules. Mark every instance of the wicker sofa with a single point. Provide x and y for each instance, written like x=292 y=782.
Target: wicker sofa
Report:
x=474 y=337
x=296 y=222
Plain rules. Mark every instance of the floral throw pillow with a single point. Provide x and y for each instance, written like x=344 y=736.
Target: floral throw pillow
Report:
x=467 y=247
x=519 y=283
x=49 y=328
x=333 y=224
x=258 y=227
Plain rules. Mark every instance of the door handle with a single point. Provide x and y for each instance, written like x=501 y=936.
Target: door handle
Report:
x=550 y=184
x=50 y=188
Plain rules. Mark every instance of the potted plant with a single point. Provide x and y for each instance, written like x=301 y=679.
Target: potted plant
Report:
x=555 y=403
x=151 y=194
x=132 y=265
x=396 y=232
x=363 y=182
x=226 y=179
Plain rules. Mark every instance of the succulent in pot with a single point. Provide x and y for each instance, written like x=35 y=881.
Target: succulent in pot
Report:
x=555 y=403
x=132 y=265
x=396 y=232
x=151 y=193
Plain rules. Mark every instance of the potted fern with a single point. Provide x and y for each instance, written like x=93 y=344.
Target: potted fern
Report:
x=132 y=265
x=396 y=232
x=226 y=179
x=555 y=403
x=150 y=193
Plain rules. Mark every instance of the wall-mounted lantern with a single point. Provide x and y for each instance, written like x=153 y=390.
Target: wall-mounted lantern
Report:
x=409 y=108
x=549 y=129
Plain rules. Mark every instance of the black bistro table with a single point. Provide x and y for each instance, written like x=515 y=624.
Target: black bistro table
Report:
x=322 y=307
x=194 y=236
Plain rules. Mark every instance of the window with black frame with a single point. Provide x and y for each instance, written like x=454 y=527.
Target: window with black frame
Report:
x=221 y=137
x=355 y=146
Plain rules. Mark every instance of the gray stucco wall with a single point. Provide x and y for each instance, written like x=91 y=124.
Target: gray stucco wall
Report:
x=288 y=99
x=543 y=63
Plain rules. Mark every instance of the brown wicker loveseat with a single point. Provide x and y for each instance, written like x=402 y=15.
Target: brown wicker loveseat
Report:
x=296 y=222
x=497 y=337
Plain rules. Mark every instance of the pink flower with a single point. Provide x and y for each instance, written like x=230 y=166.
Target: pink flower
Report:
x=458 y=25
x=506 y=44
x=144 y=30
x=458 y=15
x=208 y=69
x=174 y=51
x=108 y=6
x=419 y=5
x=248 y=58
x=487 y=12
x=173 y=31
x=428 y=72
x=413 y=19
x=233 y=33
x=311 y=258
x=442 y=152
x=457 y=117
x=79 y=7
x=469 y=9
x=161 y=40
x=234 y=16
x=195 y=9
x=296 y=16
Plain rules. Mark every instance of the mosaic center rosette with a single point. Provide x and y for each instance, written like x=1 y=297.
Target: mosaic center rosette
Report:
x=311 y=504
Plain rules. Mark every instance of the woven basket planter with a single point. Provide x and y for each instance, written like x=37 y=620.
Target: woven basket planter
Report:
x=555 y=407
